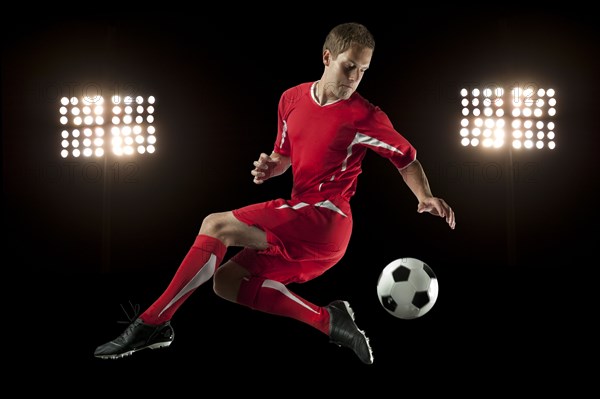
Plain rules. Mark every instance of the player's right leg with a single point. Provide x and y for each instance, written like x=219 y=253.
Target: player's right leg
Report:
x=152 y=328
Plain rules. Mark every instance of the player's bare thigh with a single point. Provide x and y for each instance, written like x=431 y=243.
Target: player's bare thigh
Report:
x=232 y=232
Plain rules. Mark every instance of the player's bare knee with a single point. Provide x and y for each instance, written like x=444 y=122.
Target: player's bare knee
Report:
x=227 y=280
x=213 y=224
x=222 y=284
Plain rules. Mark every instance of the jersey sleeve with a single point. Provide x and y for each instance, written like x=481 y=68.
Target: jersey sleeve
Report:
x=282 y=144
x=381 y=137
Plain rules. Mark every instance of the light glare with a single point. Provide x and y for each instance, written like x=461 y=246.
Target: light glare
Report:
x=534 y=104
x=88 y=114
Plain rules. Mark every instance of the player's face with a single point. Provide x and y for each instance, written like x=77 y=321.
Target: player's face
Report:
x=347 y=70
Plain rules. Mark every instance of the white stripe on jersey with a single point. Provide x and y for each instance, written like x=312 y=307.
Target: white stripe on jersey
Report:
x=323 y=204
x=330 y=205
x=283 y=134
x=361 y=138
x=297 y=206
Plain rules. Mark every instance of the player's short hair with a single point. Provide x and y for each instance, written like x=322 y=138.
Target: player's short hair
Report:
x=342 y=36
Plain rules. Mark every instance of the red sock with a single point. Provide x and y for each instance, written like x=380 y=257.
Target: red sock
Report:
x=273 y=297
x=197 y=267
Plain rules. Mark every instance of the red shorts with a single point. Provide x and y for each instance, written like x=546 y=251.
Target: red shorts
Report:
x=304 y=239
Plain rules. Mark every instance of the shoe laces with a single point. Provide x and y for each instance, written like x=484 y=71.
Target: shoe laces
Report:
x=135 y=312
x=131 y=318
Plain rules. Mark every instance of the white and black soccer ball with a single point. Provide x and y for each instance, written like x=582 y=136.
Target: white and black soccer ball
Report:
x=407 y=288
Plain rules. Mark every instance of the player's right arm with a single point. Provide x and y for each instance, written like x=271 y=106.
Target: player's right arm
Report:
x=269 y=166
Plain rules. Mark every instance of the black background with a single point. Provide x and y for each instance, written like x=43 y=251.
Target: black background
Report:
x=84 y=239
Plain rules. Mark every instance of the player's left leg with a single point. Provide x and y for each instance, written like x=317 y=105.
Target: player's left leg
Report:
x=304 y=241
x=235 y=283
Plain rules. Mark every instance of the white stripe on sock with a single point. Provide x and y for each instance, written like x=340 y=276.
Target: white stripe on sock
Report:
x=200 y=278
x=276 y=285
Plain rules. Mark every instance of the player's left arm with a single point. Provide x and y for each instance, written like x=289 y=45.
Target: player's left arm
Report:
x=415 y=178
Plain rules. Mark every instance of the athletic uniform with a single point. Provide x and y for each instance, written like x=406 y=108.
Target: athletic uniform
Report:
x=309 y=233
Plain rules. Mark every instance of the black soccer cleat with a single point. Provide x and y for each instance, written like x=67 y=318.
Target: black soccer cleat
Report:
x=343 y=331
x=136 y=337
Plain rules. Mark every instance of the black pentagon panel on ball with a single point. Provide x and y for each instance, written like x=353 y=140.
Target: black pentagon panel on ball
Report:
x=428 y=270
x=420 y=299
x=401 y=273
x=389 y=303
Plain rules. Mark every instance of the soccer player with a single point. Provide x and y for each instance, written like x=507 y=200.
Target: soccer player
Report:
x=325 y=128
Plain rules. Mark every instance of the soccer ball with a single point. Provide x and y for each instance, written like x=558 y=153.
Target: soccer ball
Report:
x=407 y=288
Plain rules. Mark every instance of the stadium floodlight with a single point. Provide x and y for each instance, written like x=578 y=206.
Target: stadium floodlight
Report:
x=91 y=127
x=522 y=117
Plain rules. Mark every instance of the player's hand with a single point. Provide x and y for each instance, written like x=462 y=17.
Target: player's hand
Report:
x=264 y=168
x=438 y=207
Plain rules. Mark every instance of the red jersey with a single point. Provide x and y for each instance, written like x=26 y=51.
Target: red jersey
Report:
x=326 y=144
x=309 y=233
